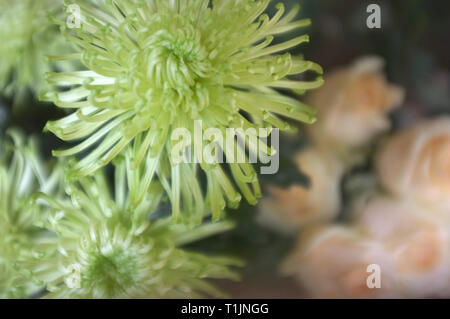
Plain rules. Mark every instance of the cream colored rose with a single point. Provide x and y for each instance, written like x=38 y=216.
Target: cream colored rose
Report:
x=416 y=240
x=409 y=244
x=353 y=104
x=416 y=162
x=332 y=262
x=290 y=208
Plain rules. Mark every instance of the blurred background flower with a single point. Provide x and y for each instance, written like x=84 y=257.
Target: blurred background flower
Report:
x=331 y=262
x=408 y=242
x=403 y=226
x=415 y=163
x=288 y=209
x=27 y=36
x=416 y=238
x=353 y=106
x=22 y=173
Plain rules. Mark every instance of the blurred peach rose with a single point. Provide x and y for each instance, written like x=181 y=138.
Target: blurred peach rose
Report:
x=417 y=241
x=289 y=208
x=332 y=262
x=410 y=244
x=416 y=162
x=353 y=105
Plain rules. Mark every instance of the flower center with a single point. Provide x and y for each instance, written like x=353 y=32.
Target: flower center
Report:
x=176 y=60
x=110 y=269
x=177 y=67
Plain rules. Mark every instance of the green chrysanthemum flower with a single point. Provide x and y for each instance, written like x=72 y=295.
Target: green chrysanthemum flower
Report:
x=103 y=248
x=27 y=35
x=21 y=175
x=159 y=65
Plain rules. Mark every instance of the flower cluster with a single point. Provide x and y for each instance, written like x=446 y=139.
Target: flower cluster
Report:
x=76 y=240
x=155 y=66
x=353 y=107
x=145 y=68
x=402 y=226
x=102 y=247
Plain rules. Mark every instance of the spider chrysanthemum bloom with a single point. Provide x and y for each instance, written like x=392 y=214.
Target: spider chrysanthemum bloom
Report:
x=159 y=65
x=27 y=36
x=21 y=175
x=103 y=248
